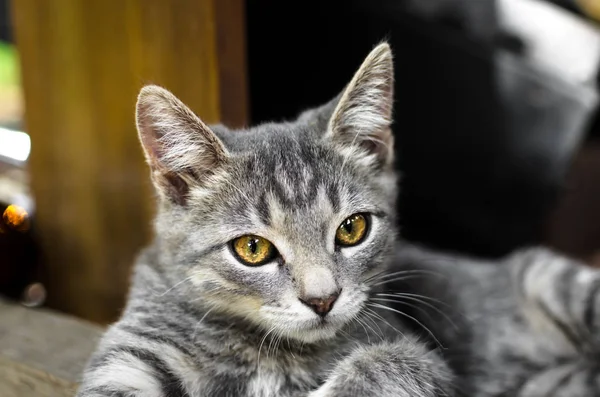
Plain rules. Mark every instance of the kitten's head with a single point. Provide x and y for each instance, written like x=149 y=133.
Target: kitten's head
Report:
x=281 y=223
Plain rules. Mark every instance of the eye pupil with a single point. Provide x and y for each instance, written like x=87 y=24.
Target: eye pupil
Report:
x=253 y=245
x=348 y=226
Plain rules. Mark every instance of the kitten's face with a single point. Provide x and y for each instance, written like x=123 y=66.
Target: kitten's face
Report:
x=281 y=224
x=268 y=242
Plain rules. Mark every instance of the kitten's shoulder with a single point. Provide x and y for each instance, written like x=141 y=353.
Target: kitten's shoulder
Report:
x=147 y=273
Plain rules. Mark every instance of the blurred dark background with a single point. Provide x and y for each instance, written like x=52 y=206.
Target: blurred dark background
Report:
x=471 y=109
x=5 y=27
x=496 y=120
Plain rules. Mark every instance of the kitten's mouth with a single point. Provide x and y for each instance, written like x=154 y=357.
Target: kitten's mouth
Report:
x=310 y=327
x=323 y=323
x=321 y=328
x=334 y=321
x=328 y=323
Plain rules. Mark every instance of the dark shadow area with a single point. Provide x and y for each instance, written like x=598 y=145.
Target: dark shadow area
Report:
x=467 y=184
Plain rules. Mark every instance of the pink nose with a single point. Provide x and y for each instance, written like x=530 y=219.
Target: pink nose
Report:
x=321 y=306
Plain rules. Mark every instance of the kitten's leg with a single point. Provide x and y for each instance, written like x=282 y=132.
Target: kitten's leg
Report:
x=126 y=365
x=399 y=369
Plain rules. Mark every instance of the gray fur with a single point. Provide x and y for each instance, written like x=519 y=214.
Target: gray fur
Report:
x=200 y=323
x=525 y=327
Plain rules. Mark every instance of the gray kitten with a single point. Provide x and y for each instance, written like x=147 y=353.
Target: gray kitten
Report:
x=276 y=271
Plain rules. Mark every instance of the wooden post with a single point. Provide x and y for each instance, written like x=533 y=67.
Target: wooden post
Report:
x=591 y=8
x=83 y=62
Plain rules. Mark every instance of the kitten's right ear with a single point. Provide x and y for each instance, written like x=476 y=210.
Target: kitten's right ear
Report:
x=182 y=151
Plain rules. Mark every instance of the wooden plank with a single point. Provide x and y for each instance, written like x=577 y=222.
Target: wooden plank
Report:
x=83 y=62
x=231 y=47
x=17 y=380
x=47 y=341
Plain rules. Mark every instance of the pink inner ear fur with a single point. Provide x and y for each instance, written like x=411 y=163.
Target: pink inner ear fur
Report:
x=148 y=135
x=179 y=147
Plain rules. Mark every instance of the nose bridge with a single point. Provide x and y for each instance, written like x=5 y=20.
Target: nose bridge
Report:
x=315 y=281
x=312 y=266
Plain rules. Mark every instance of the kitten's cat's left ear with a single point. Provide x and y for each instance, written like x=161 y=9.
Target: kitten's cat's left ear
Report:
x=181 y=150
x=363 y=115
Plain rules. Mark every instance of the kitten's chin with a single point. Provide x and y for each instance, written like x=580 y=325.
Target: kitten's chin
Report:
x=313 y=335
x=315 y=330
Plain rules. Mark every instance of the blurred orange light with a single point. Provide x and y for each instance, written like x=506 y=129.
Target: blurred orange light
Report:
x=16 y=218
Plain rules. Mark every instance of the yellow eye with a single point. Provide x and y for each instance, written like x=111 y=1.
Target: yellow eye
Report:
x=253 y=250
x=352 y=231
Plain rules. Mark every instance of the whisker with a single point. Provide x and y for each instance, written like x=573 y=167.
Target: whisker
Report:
x=366 y=332
x=276 y=341
x=421 y=302
x=200 y=322
x=353 y=321
x=405 y=304
x=421 y=299
x=348 y=336
x=417 y=274
x=262 y=342
x=280 y=344
x=175 y=286
x=417 y=296
x=381 y=334
x=376 y=275
x=400 y=278
x=382 y=275
x=373 y=330
x=271 y=339
x=380 y=317
x=410 y=317
x=290 y=347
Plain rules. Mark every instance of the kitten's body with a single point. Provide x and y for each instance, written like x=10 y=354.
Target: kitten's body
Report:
x=525 y=326
x=192 y=352
x=201 y=322
x=220 y=353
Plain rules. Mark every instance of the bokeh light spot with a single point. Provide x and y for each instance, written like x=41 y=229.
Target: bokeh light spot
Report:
x=16 y=218
x=34 y=295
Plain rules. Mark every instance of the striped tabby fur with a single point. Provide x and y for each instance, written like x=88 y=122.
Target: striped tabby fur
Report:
x=407 y=321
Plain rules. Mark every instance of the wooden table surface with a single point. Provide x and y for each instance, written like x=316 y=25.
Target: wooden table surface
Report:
x=42 y=353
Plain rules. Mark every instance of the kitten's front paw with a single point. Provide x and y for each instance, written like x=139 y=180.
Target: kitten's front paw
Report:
x=402 y=369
